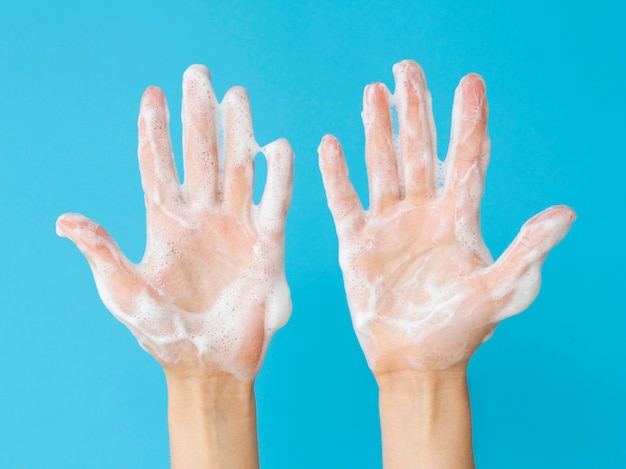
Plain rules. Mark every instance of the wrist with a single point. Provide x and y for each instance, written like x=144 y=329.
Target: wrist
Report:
x=425 y=418
x=415 y=382
x=212 y=420
x=203 y=386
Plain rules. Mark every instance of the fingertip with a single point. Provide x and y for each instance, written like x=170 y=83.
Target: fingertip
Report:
x=68 y=223
x=376 y=114
x=283 y=145
x=407 y=70
x=153 y=108
x=329 y=151
x=546 y=229
x=197 y=70
x=196 y=85
x=567 y=213
x=563 y=217
x=561 y=214
x=237 y=115
x=152 y=98
x=472 y=81
x=376 y=94
x=63 y=225
x=86 y=234
x=404 y=65
x=279 y=149
x=473 y=89
x=329 y=143
x=237 y=95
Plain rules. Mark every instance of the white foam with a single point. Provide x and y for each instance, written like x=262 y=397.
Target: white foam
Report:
x=422 y=287
x=211 y=287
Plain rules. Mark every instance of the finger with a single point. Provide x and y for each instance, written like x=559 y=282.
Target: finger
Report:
x=468 y=153
x=527 y=252
x=417 y=130
x=111 y=269
x=380 y=157
x=240 y=148
x=343 y=201
x=278 y=187
x=156 y=160
x=199 y=135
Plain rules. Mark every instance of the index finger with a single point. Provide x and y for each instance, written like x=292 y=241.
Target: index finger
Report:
x=343 y=201
x=156 y=160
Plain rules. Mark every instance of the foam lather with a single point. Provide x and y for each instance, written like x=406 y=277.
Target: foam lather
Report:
x=210 y=290
x=423 y=289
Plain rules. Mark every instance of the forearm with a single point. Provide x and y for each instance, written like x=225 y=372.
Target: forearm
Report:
x=212 y=422
x=426 y=419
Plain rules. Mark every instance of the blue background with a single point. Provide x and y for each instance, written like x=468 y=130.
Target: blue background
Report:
x=76 y=390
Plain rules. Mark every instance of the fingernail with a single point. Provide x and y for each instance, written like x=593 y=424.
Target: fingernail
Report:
x=473 y=87
x=152 y=98
x=370 y=93
x=63 y=225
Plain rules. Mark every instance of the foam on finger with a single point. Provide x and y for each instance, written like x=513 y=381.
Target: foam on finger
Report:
x=276 y=196
x=210 y=290
x=156 y=158
x=200 y=135
x=421 y=285
x=240 y=146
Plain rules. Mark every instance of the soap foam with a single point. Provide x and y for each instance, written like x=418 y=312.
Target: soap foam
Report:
x=421 y=284
x=219 y=333
x=211 y=287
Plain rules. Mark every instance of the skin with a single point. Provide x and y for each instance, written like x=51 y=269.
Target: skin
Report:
x=213 y=267
x=422 y=287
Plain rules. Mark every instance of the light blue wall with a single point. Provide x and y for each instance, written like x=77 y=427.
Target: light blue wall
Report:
x=77 y=392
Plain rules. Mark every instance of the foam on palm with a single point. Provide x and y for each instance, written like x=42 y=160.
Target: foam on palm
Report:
x=422 y=287
x=211 y=288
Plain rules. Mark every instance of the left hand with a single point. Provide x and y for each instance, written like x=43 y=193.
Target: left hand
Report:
x=422 y=287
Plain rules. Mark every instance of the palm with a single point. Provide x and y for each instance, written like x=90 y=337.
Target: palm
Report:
x=422 y=287
x=415 y=273
x=210 y=290
x=193 y=263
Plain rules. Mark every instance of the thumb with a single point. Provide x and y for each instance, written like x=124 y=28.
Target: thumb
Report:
x=517 y=270
x=103 y=254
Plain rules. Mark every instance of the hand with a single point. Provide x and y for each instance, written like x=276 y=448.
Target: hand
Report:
x=210 y=290
x=422 y=288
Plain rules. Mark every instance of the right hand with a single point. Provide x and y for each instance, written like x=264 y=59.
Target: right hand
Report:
x=210 y=290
